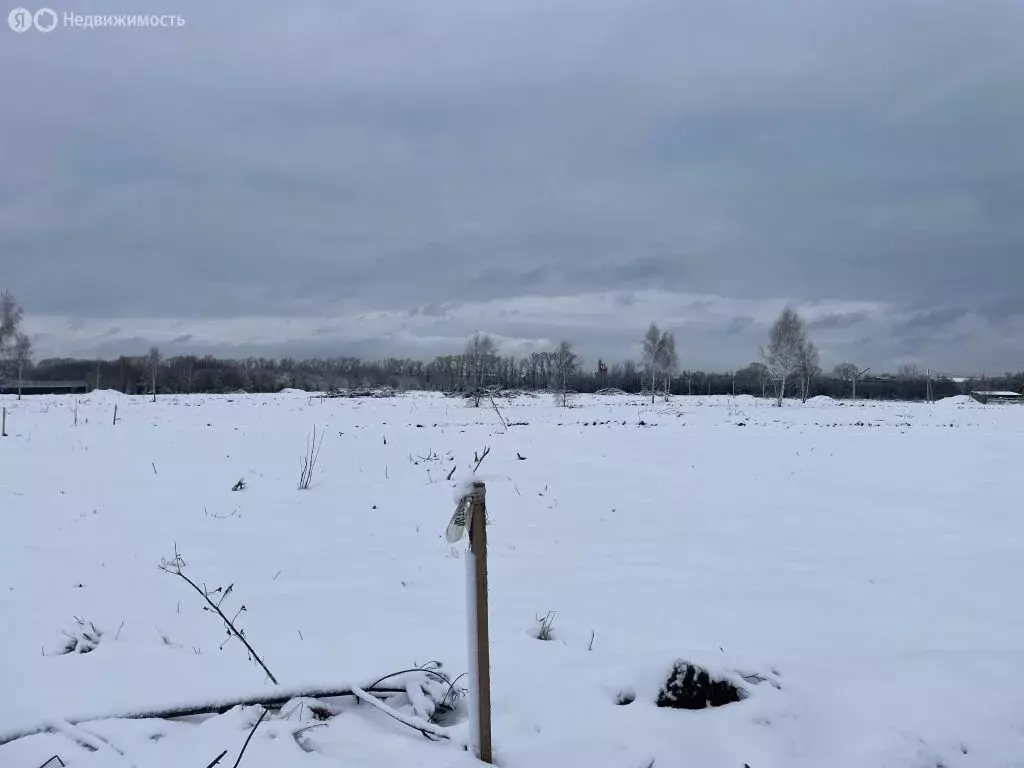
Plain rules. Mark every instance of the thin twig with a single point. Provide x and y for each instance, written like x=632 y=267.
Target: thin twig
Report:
x=215 y=607
x=249 y=737
x=451 y=689
x=426 y=670
x=217 y=759
x=480 y=459
x=308 y=462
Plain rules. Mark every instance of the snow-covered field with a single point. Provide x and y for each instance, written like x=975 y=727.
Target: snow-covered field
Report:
x=864 y=560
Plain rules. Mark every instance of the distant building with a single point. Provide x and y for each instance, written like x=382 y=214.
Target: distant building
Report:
x=998 y=397
x=44 y=387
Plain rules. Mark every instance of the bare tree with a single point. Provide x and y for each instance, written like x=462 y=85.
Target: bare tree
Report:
x=659 y=357
x=808 y=367
x=566 y=364
x=849 y=373
x=10 y=322
x=909 y=372
x=764 y=376
x=11 y=314
x=22 y=356
x=154 y=365
x=479 y=356
x=785 y=344
x=652 y=340
x=669 y=359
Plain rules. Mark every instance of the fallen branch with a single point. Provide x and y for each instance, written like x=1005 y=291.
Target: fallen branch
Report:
x=427 y=729
x=504 y=424
x=279 y=698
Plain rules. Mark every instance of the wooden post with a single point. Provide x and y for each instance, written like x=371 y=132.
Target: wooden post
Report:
x=3 y=430
x=479 y=643
x=115 y=414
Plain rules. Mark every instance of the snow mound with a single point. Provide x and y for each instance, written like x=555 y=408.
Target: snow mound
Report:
x=293 y=391
x=821 y=400
x=955 y=401
x=105 y=396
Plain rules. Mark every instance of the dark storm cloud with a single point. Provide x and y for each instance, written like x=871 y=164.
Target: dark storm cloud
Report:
x=836 y=320
x=1001 y=309
x=268 y=162
x=924 y=321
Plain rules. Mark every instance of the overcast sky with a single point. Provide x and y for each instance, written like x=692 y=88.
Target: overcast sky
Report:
x=384 y=177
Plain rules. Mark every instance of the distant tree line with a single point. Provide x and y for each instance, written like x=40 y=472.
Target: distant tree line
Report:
x=457 y=373
x=788 y=367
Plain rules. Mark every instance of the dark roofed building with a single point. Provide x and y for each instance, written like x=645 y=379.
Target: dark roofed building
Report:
x=44 y=387
x=998 y=397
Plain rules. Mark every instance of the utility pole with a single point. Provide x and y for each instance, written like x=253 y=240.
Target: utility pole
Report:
x=855 y=377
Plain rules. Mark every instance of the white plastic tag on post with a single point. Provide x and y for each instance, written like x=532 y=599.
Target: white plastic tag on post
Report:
x=457 y=525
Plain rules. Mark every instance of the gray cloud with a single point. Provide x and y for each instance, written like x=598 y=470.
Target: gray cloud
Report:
x=923 y=321
x=261 y=162
x=739 y=325
x=836 y=320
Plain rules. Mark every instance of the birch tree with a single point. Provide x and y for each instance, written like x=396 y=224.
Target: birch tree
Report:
x=669 y=359
x=783 y=354
x=154 y=365
x=22 y=356
x=566 y=363
x=659 y=358
x=11 y=315
x=808 y=367
x=11 y=337
x=652 y=343
x=479 y=355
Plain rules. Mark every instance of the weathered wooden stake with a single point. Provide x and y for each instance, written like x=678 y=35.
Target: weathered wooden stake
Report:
x=3 y=430
x=479 y=641
x=115 y=413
